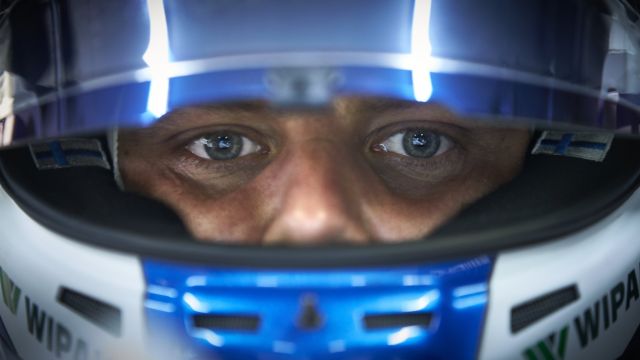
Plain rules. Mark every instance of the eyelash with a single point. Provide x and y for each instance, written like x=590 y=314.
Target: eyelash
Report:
x=198 y=146
x=395 y=143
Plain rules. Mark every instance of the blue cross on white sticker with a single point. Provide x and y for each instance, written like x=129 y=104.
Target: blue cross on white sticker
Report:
x=64 y=153
x=584 y=145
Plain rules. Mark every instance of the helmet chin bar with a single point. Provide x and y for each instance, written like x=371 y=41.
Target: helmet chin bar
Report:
x=601 y=263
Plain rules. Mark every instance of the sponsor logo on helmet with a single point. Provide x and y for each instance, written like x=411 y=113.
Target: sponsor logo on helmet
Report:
x=48 y=331
x=594 y=320
x=10 y=292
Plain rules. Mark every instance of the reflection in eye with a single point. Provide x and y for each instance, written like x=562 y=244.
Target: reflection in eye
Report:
x=222 y=146
x=419 y=143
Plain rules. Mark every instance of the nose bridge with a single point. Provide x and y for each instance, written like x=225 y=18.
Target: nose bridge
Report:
x=320 y=164
x=318 y=200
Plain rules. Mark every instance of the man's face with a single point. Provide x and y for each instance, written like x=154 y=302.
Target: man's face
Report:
x=365 y=171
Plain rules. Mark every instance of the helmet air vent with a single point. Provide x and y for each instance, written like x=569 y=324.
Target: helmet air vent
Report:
x=397 y=320
x=533 y=310
x=310 y=317
x=103 y=315
x=227 y=322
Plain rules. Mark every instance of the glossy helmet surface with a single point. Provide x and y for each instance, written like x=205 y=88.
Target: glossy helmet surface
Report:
x=545 y=267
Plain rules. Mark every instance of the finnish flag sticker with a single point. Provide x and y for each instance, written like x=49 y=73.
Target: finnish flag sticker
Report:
x=65 y=153
x=584 y=145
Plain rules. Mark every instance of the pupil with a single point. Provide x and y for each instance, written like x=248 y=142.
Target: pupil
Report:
x=224 y=146
x=421 y=143
x=224 y=143
x=418 y=140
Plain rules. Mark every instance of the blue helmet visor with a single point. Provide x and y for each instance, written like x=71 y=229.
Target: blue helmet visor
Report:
x=128 y=64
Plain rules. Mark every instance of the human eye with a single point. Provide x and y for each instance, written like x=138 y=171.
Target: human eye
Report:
x=223 y=146
x=408 y=155
x=419 y=143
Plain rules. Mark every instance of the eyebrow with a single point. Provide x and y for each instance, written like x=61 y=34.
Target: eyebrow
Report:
x=381 y=105
x=354 y=103
x=222 y=110
x=345 y=108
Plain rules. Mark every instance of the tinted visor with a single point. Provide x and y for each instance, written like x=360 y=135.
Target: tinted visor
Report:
x=567 y=62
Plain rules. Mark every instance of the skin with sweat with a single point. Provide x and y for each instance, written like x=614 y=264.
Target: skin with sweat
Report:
x=363 y=171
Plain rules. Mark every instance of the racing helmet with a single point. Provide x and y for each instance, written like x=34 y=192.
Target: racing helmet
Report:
x=545 y=266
